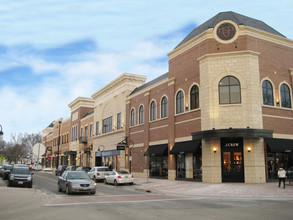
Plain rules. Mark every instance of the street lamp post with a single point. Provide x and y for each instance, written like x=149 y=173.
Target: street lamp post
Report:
x=1 y=133
x=58 y=146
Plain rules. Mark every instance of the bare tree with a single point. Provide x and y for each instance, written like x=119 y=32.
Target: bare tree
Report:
x=20 y=147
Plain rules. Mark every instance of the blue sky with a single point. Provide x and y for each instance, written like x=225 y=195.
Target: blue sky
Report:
x=53 y=51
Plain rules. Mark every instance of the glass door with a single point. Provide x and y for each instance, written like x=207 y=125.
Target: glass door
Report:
x=232 y=160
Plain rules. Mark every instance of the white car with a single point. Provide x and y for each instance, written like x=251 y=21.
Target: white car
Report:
x=37 y=167
x=119 y=177
x=98 y=173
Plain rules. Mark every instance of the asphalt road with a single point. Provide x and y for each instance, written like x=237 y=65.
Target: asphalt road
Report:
x=48 y=183
x=125 y=202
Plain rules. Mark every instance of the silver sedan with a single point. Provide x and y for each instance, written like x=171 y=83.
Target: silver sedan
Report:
x=76 y=182
x=119 y=177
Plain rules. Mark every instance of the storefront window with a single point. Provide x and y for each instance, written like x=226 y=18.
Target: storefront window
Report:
x=277 y=160
x=180 y=166
x=159 y=166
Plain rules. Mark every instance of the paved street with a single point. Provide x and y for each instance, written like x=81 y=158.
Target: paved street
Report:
x=166 y=200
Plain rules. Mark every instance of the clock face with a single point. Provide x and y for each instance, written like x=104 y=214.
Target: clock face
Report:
x=226 y=31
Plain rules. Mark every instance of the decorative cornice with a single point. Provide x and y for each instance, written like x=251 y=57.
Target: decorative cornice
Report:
x=122 y=79
x=81 y=102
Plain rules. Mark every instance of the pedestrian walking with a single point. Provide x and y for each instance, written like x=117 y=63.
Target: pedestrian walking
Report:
x=282 y=176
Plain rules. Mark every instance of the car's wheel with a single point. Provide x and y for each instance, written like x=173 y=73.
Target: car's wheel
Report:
x=115 y=183
x=59 y=188
x=9 y=184
x=131 y=183
x=30 y=185
x=93 y=193
x=105 y=181
x=68 y=190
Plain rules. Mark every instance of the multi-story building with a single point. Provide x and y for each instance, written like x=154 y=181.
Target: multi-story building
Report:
x=56 y=136
x=109 y=118
x=81 y=138
x=223 y=112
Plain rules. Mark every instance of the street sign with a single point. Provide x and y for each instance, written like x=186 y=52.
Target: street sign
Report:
x=120 y=147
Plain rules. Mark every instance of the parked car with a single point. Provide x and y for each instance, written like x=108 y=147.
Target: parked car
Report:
x=85 y=169
x=37 y=167
x=71 y=168
x=6 y=171
x=60 y=169
x=20 y=176
x=119 y=177
x=76 y=182
x=98 y=173
x=1 y=171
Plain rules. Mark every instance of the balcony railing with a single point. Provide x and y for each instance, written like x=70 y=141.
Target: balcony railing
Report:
x=83 y=140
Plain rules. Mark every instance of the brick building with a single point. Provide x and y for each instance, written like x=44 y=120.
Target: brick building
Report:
x=223 y=112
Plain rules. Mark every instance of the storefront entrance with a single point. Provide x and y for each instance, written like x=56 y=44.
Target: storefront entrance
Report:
x=232 y=160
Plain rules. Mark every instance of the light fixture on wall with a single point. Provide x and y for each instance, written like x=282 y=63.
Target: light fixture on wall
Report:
x=215 y=149
x=249 y=149
x=186 y=106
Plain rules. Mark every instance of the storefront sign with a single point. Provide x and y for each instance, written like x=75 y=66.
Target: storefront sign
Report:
x=120 y=147
x=232 y=145
x=107 y=153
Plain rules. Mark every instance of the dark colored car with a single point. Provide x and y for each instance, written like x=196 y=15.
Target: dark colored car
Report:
x=60 y=170
x=71 y=168
x=6 y=171
x=20 y=176
x=85 y=169
x=76 y=182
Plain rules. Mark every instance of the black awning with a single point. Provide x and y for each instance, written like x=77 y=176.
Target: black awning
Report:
x=276 y=145
x=160 y=150
x=186 y=147
x=232 y=132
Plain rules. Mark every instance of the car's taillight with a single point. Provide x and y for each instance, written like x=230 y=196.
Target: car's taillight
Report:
x=98 y=174
x=131 y=176
x=119 y=177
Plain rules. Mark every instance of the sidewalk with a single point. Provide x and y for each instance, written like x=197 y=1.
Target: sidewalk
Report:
x=186 y=188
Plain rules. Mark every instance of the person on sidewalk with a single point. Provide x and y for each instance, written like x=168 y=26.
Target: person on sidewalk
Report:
x=282 y=176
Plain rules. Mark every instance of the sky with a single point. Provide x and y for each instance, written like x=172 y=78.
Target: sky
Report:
x=53 y=51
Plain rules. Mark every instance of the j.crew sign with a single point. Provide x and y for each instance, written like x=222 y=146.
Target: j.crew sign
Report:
x=231 y=144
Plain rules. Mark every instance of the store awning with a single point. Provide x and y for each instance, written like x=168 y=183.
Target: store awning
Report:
x=277 y=145
x=160 y=150
x=186 y=147
x=232 y=132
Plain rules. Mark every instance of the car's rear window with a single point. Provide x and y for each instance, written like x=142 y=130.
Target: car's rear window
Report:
x=104 y=169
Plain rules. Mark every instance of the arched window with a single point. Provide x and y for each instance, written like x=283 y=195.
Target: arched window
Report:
x=153 y=110
x=141 y=114
x=132 y=117
x=179 y=102
x=194 y=97
x=267 y=93
x=285 y=96
x=229 y=90
x=164 y=107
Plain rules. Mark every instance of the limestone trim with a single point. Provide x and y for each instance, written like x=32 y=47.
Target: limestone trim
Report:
x=243 y=30
x=136 y=132
x=189 y=120
x=240 y=53
x=183 y=139
x=81 y=102
x=283 y=136
x=158 y=142
x=281 y=117
x=118 y=82
x=163 y=126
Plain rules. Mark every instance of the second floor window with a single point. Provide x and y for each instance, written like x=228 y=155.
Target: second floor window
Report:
x=86 y=132
x=179 y=102
x=194 y=97
x=132 y=117
x=97 y=128
x=141 y=115
x=267 y=93
x=91 y=130
x=164 y=107
x=285 y=96
x=153 y=110
x=107 y=125
x=229 y=90
x=118 y=121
